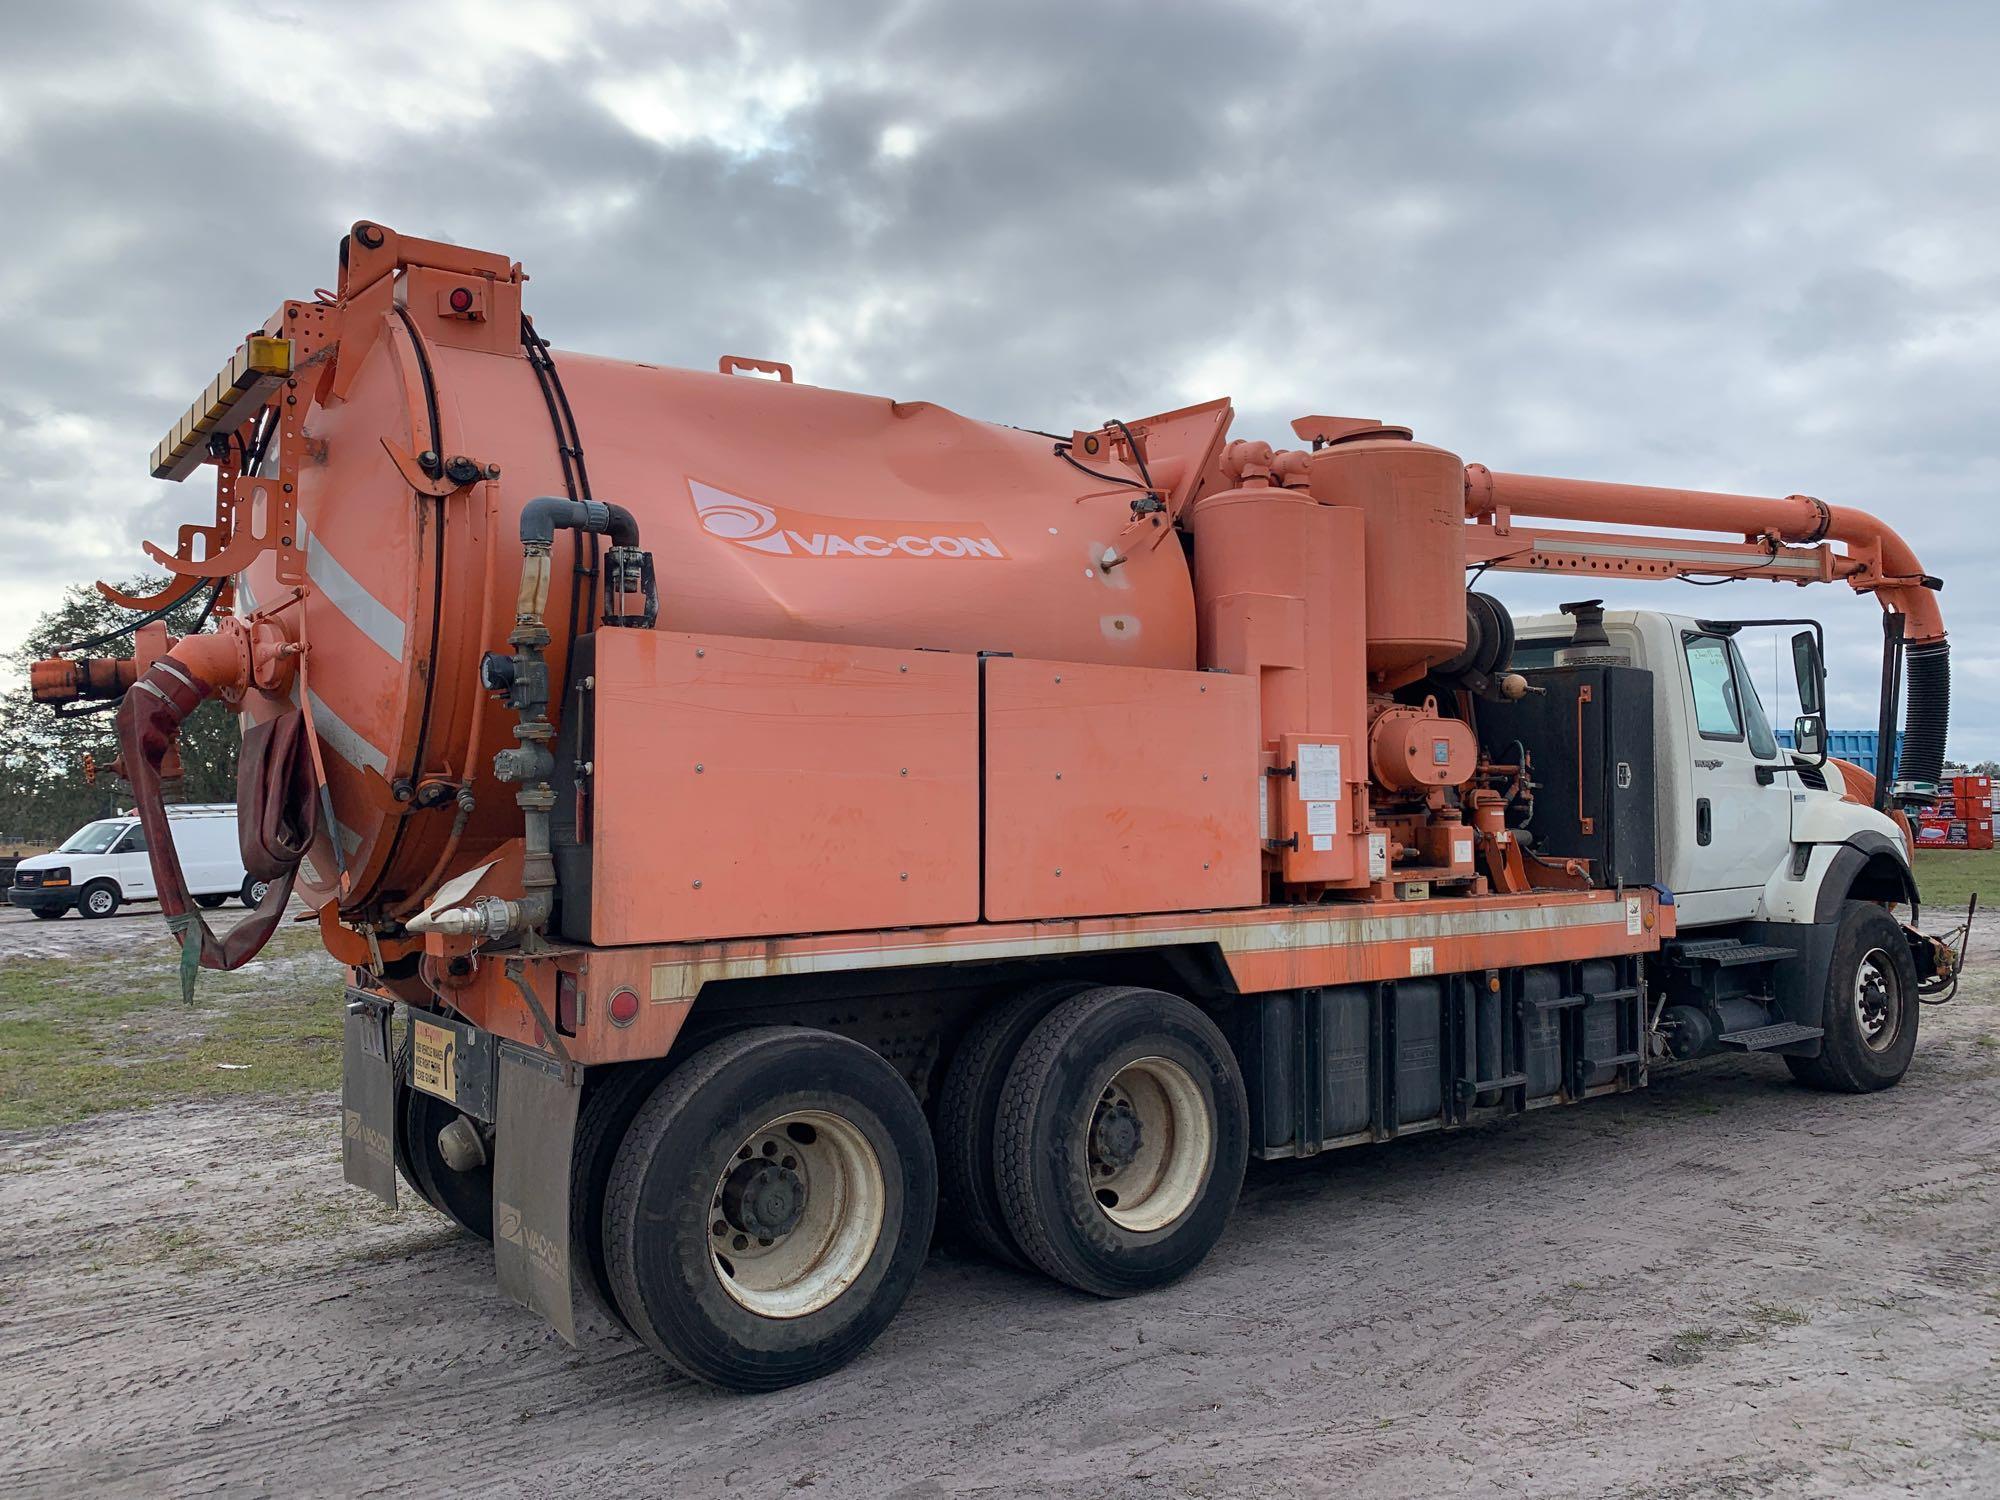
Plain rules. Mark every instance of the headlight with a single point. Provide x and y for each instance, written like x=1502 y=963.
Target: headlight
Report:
x=58 y=876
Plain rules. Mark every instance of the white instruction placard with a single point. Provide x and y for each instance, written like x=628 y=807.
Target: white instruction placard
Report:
x=1319 y=773
x=1322 y=817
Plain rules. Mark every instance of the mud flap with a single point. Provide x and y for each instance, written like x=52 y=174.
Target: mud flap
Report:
x=368 y=1102
x=534 y=1136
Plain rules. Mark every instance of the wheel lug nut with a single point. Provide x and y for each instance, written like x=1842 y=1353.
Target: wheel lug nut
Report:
x=720 y=1229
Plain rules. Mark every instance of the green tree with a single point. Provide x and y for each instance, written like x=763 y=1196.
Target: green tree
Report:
x=43 y=796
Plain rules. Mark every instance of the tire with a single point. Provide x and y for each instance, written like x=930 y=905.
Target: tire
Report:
x=97 y=900
x=1095 y=1187
x=466 y=1198
x=209 y=903
x=1871 y=1008
x=968 y=1108
x=252 y=890
x=609 y=1107
x=47 y=913
x=768 y=1319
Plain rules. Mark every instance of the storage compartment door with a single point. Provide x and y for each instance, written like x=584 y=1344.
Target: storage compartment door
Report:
x=743 y=787
x=1119 y=789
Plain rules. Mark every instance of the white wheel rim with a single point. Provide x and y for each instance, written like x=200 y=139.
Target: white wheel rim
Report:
x=257 y=891
x=100 y=901
x=1149 y=1142
x=813 y=1181
x=1877 y=993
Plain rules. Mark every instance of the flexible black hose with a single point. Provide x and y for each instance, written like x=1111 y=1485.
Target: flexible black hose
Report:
x=1926 y=713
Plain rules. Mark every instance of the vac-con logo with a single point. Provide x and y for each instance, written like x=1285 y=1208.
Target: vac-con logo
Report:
x=797 y=533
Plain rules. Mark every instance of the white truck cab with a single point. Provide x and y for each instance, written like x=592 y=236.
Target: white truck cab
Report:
x=104 y=864
x=1734 y=810
x=1783 y=873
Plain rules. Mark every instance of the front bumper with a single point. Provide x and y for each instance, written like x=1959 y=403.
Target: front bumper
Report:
x=42 y=898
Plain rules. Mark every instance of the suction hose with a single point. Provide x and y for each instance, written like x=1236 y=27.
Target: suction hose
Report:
x=1925 y=718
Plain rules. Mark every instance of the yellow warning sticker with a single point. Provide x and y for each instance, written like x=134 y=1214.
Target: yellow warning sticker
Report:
x=433 y=1060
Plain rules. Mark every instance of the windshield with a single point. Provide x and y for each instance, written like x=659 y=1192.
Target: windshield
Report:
x=93 y=838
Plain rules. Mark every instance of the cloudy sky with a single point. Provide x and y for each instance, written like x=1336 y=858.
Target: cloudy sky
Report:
x=1743 y=246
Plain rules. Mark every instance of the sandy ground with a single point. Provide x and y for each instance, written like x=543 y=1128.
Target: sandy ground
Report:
x=1721 y=1286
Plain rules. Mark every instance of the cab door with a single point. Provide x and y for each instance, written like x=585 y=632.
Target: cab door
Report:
x=1741 y=823
x=134 y=868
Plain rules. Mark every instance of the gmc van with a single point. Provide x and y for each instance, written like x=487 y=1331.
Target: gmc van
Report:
x=103 y=864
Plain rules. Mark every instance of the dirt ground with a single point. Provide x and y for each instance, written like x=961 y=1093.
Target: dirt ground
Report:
x=1723 y=1285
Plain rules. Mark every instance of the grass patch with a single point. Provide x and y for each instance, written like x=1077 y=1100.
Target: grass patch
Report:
x=78 y=1038
x=1947 y=879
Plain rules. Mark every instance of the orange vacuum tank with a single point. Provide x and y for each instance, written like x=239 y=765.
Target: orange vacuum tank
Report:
x=772 y=509
x=1413 y=496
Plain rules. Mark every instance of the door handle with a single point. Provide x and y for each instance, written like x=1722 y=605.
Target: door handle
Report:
x=1702 y=828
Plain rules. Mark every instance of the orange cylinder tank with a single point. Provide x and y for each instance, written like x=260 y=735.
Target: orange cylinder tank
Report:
x=1276 y=595
x=1413 y=498
x=773 y=510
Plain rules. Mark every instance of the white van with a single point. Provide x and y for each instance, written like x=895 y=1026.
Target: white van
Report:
x=104 y=864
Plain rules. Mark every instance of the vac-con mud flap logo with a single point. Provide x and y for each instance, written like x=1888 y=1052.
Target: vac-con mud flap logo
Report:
x=780 y=532
x=549 y=1260
x=374 y=1142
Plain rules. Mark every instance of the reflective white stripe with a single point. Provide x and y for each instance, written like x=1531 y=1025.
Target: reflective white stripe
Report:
x=166 y=664
x=342 y=740
x=344 y=592
x=680 y=981
x=348 y=839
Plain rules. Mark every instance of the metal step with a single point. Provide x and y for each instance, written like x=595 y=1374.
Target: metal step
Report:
x=1770 y=1038
x=1727 y=953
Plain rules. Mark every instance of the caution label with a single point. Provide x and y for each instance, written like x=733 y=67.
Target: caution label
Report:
x=433 y=1060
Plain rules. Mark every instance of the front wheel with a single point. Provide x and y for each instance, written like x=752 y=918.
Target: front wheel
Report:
x=1122 y=1139
x=253 y=890
x=770 y=1207
x=99 y=899
x=47 y=913
x=1871 y=1008
x=210 y=902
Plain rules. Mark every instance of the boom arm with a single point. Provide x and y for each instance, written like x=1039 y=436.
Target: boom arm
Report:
x=1785 y=540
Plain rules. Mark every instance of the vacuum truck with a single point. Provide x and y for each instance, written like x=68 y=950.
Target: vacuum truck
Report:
x=753 y=815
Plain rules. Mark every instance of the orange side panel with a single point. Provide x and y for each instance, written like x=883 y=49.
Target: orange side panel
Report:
x=746 y=787
x=1119 y=789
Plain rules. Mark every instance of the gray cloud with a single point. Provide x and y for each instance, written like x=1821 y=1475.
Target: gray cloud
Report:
x=1705 y=244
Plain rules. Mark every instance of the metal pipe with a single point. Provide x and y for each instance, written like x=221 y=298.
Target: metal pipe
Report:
x=530 y=763
x=1886 y=566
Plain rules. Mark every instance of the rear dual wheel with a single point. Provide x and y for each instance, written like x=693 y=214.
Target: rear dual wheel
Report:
x=1121 y=1140
x=463 y=1195
x=769 y=1207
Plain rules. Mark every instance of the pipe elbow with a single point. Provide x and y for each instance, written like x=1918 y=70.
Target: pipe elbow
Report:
x=1892 y=571
x=543 y=516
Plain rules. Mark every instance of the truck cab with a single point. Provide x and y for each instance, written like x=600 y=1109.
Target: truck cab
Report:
x=1734 y=811
x=1767 y=852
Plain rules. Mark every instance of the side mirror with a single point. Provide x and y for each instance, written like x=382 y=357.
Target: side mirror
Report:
x=1809 y=671
x=1809 y=736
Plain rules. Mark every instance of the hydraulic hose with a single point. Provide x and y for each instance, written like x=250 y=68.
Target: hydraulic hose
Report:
x=1925 y=716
